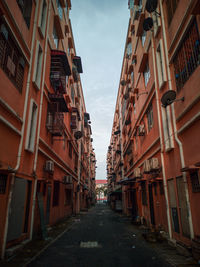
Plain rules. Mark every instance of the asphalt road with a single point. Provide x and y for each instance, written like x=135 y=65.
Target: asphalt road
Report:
x=100 y=238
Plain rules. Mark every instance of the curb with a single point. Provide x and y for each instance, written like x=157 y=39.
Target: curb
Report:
x=48 y=245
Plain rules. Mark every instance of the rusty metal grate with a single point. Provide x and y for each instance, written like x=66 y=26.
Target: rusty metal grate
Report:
x=3 y=183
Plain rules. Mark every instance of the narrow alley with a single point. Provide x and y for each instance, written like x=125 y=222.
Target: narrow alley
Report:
x=100 y=238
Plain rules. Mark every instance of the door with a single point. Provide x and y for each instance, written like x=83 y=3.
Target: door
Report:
x=173 y=206
x=17 y=209
x=183 y=206
x=134 y=203
x=48 y=204
x=151 y=205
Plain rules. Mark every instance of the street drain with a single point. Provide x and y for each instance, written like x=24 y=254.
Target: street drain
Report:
x=89 y=244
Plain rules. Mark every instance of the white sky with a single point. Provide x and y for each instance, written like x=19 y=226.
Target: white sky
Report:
x=99 y=29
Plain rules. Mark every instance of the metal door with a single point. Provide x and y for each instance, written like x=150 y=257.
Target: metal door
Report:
x=134 y=203
x=173 y=206
x=183 y=206
x=17 y=207
x=48 y=204
x=151 y=205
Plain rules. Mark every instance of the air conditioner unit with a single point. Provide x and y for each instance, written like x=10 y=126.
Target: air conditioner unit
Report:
x=154 y=164
x=137 y=173
x=67 y=179
x=141 y=130
x=147 y=166
x=49 y=166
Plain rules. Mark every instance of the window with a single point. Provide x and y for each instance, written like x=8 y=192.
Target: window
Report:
x=64 y=140
x=129 y=49
x=43 y=15
x=56 y=191
x=146 y=74
x=195 y=180
x=68 y=197
x=132 y=77
x=187 y=58
x=72 y=93
x=32 y=123
x=143 y=37
x=11 y=59
x=171 y=8
x=144 y=193
x=123 y=108
x=3 y=183
x=150 y=117
x=26 y=8
x=160 y=65
x=75 y=162
x=38 y=66
x=156 y=21
x=70 y=149
x=59 y=9
x=55 y=37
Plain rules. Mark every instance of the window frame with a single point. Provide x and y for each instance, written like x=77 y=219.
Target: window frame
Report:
x=149 y=114
x=42 y=18
x=37 y=75
x=146 y=74
x=32 y=127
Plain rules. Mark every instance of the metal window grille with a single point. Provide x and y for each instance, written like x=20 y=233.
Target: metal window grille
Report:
x=187 y=58
x=150 y=117
x=11 y=60
x=3 y=183
x=195 y=181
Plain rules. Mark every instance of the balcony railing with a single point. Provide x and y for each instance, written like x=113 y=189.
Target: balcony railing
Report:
x=55 y=123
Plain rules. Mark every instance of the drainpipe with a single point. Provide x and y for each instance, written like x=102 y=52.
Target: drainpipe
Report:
x=175 y=128
x=78 y=204
x=22 y=131
x=122 y=158
x=161 y=139
x=39 y=125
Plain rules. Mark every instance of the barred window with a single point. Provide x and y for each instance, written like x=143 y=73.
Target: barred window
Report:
x=11 y=59
x=150 y=117
x=187 y=58
x=195 y=180
x=171 y=8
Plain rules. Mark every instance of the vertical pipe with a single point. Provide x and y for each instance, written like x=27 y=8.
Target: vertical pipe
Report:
x=161 y=139
x=39 y=122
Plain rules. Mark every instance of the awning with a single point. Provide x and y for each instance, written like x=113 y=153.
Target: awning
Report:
x=190 y=168
x=127 y=181
x=117 y=191
x=62 y=57
x=61 y=100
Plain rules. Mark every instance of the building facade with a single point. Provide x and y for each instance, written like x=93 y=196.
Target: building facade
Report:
x=153 y=159
x=47 y=162
x=101 y=190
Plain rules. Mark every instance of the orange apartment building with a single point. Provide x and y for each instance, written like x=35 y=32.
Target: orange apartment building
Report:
x=47 y=162
x=153 y=159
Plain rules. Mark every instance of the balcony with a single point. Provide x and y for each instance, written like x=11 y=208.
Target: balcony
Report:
x=55 y=123
x=59 y=99
x=59 y=70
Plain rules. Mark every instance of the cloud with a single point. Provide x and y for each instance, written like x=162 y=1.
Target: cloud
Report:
x=99 y=29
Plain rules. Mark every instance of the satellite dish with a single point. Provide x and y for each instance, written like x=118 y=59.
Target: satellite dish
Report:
x=147 y=24
x=168 y=98
x=151 y=5
x=78 y=135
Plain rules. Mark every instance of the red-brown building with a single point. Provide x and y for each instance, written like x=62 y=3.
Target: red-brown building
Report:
x=153 y=159
x=47 y=163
